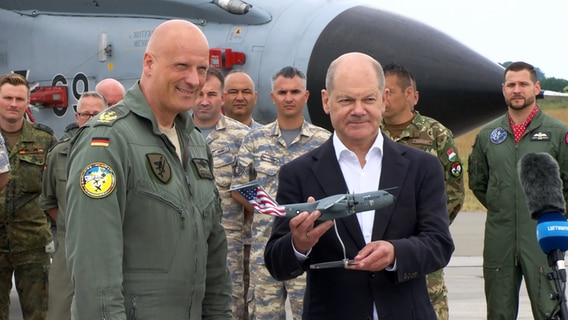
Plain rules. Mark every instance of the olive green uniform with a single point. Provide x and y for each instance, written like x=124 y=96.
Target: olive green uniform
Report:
x=511 y=253
x=429 y=135
x=24 y=228
x=53 y=197
x=144 y=235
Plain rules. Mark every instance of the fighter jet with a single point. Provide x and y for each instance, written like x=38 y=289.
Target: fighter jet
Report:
x=332 y=207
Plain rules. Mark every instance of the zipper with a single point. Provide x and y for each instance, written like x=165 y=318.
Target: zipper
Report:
x=133 y=308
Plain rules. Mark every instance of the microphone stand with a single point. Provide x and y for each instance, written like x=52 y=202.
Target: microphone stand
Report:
x=558 y=274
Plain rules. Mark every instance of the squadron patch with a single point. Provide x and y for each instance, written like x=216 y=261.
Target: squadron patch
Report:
x=456 y=169
x=97 y=180
x=160 y=166
x=498 y=135
x=203 y=169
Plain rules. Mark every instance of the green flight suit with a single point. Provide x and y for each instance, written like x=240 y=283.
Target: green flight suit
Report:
x=144 y=235
x=511 y=253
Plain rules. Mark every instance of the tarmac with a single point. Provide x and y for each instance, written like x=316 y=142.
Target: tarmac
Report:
x=463 y=274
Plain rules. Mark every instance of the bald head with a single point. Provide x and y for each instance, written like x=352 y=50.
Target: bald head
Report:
x=174 y=69
x=112 y=90
x=354 y=60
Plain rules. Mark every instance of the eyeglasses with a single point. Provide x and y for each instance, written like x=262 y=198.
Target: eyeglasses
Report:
x=86 y=115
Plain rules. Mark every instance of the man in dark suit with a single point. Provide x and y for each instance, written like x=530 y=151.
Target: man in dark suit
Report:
x=392 y=249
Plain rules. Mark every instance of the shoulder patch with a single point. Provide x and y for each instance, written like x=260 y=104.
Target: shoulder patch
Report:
x=110 y=116
x=43 y=127
x=456 y=169
x=98 y=180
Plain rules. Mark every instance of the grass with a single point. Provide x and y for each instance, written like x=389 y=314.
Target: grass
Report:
x=555 y=108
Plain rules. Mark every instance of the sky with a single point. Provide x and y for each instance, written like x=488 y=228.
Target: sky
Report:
x=501 y=30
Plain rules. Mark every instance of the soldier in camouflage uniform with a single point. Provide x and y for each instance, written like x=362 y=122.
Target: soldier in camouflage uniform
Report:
x=240 y=99
x=4 y=164
x=224 y=136
x=405 y=125
x=24 y=228
x=52 y=201
x=262 y=154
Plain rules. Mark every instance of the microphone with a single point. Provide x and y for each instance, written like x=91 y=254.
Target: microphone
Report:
x=540 y=180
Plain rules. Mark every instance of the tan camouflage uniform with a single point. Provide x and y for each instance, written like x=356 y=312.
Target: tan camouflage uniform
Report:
x=224 y=142
x=262 y=154
x=431 y=136
x=24 y=228
x=4 y=159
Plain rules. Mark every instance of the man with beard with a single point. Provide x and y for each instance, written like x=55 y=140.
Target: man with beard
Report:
x=511 y=251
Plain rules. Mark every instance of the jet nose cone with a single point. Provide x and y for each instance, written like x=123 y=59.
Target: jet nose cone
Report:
x=458 y=87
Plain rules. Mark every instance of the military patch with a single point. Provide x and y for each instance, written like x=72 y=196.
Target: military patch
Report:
x=203 y=168
x=160 y=166
x=456 y=169
x=424 y=142
x=100 y=142
x=240 y=169
x=540 y=136
x=220 y=151
x=31 y=151
x=498 y=135
x=451 y=154
x=566 y=137
x=107 y=116
x=269 y=158
x=97 y=180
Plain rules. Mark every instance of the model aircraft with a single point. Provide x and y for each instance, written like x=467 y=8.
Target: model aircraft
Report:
x=65 y=47
x=332 y=207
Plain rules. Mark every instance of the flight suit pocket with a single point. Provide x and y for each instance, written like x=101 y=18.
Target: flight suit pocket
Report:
x=152 y=235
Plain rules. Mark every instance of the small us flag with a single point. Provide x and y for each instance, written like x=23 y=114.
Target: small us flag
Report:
x=261 y=201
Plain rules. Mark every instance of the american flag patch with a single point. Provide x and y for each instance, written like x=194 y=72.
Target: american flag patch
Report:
x=100 y=142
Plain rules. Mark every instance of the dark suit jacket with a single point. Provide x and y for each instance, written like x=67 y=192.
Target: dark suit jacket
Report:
x=416 y=224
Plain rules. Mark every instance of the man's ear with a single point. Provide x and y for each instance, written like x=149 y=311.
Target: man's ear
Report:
x=325 y=101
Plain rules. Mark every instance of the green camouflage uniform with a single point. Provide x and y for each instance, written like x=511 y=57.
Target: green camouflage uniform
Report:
x=262 y=153
x=431 y=136
x=24 y=228
x=53 y=197
x=144 y=235
x=224 y=142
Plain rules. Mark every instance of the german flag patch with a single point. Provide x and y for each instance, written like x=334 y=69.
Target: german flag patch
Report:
x=100 y=142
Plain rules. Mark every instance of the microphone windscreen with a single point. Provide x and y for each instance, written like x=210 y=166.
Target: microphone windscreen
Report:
x=540 y=180
x=552 y=232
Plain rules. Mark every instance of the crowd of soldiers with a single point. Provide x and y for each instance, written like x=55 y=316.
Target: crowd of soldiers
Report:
x=242 y=150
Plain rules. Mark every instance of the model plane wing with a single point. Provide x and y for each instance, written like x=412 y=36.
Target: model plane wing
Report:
x=330 y=201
